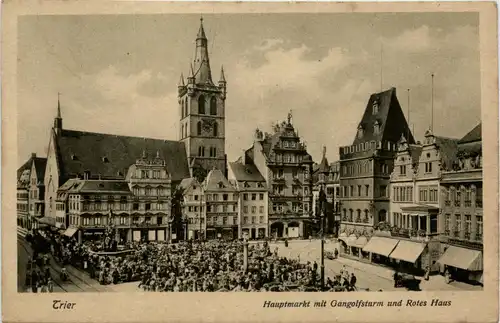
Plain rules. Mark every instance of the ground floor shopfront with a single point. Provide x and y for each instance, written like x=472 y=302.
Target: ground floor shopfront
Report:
x=254 y=232
x=464 y=263
x=224 y=233
x=415 y=257
x=290 y=228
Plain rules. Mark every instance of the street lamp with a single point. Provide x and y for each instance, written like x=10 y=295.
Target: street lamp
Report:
x=245 y=254
x=322 y=200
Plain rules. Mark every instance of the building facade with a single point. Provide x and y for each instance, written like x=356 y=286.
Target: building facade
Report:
x=461 y=220
x=365 y=169
x=253 y=199
x=282 y=159
x=194 y=208
x=221 y=206
x=30 y=192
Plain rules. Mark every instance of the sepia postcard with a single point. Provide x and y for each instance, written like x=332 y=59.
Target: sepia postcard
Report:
x=249 y=162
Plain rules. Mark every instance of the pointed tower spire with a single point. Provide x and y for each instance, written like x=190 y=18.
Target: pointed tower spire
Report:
x=324 y=152
x=202 y=72
x=58 y=105
x=181 y=81
x=222 y=76
x=58 y=118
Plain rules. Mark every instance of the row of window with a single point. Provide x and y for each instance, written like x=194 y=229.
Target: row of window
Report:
x=288 y=158
x=279 y=189
x=223 y=220
x=118 y=220
x=358 y=217
x=415 y=223
x=363 y=168
x=283 y=207
x=98 y=206
x=254 y=209
x=148 y=173
x=150 y=191
x=22 y=207
x=21 y=196
x=212 y=151
x=202 y=105
x=222 y=208
x=465 y=195
x=403 y=194
x=253 y=196
x=253 y=219
x=428 y=194
x=460 y=226
x=365 y=146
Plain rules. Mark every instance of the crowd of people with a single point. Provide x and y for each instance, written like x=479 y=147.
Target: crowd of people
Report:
x=207 y=266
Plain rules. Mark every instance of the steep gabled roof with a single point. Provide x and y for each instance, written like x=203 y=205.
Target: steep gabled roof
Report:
x=247 y=172
x=110 y=156
x=473 y=135
x=40 y=165
x=389 y=116
x=216 y=181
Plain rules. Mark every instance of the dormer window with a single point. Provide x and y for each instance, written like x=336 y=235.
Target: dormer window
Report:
x=246 y=185
x=375 y=107
x=221 y=185
x=376 y=128
x=360 y=131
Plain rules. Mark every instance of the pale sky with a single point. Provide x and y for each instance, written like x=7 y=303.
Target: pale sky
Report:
x=118 y=74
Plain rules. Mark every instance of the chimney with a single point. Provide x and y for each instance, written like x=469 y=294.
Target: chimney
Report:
x=243 y=157
x=33 y=155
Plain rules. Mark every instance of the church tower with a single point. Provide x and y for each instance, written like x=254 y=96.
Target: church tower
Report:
x=202 y=113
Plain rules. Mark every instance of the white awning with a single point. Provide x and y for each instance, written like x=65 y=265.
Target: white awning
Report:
x=381 y=246
x=408 y=251
x=462 y=258
x=70 y=232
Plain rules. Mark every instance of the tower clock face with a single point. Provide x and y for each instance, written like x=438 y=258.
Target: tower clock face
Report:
x=208 y=124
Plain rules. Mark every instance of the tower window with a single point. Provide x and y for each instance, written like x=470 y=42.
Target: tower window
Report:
x=198 y=128
x=213 y=152
x=186 y=108
x=215 y=129
x=201 y=104
x=201 y=151
x=360 y=132
x=376 y=128
x=213 y=106
x=182 y=131
x=375 y=107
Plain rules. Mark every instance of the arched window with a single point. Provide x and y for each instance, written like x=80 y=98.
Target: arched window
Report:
x=186 y=108
x=185 y=130
x=358 y=215
x=216 y=129
x=182 y=131
x=350 y=215
x=198 y=128
x=201 y=151
x=213 y=106
x=213 y=152
x=201 y=104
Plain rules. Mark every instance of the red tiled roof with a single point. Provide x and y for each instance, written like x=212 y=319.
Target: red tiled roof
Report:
x=110 y=156
x=389 y=113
